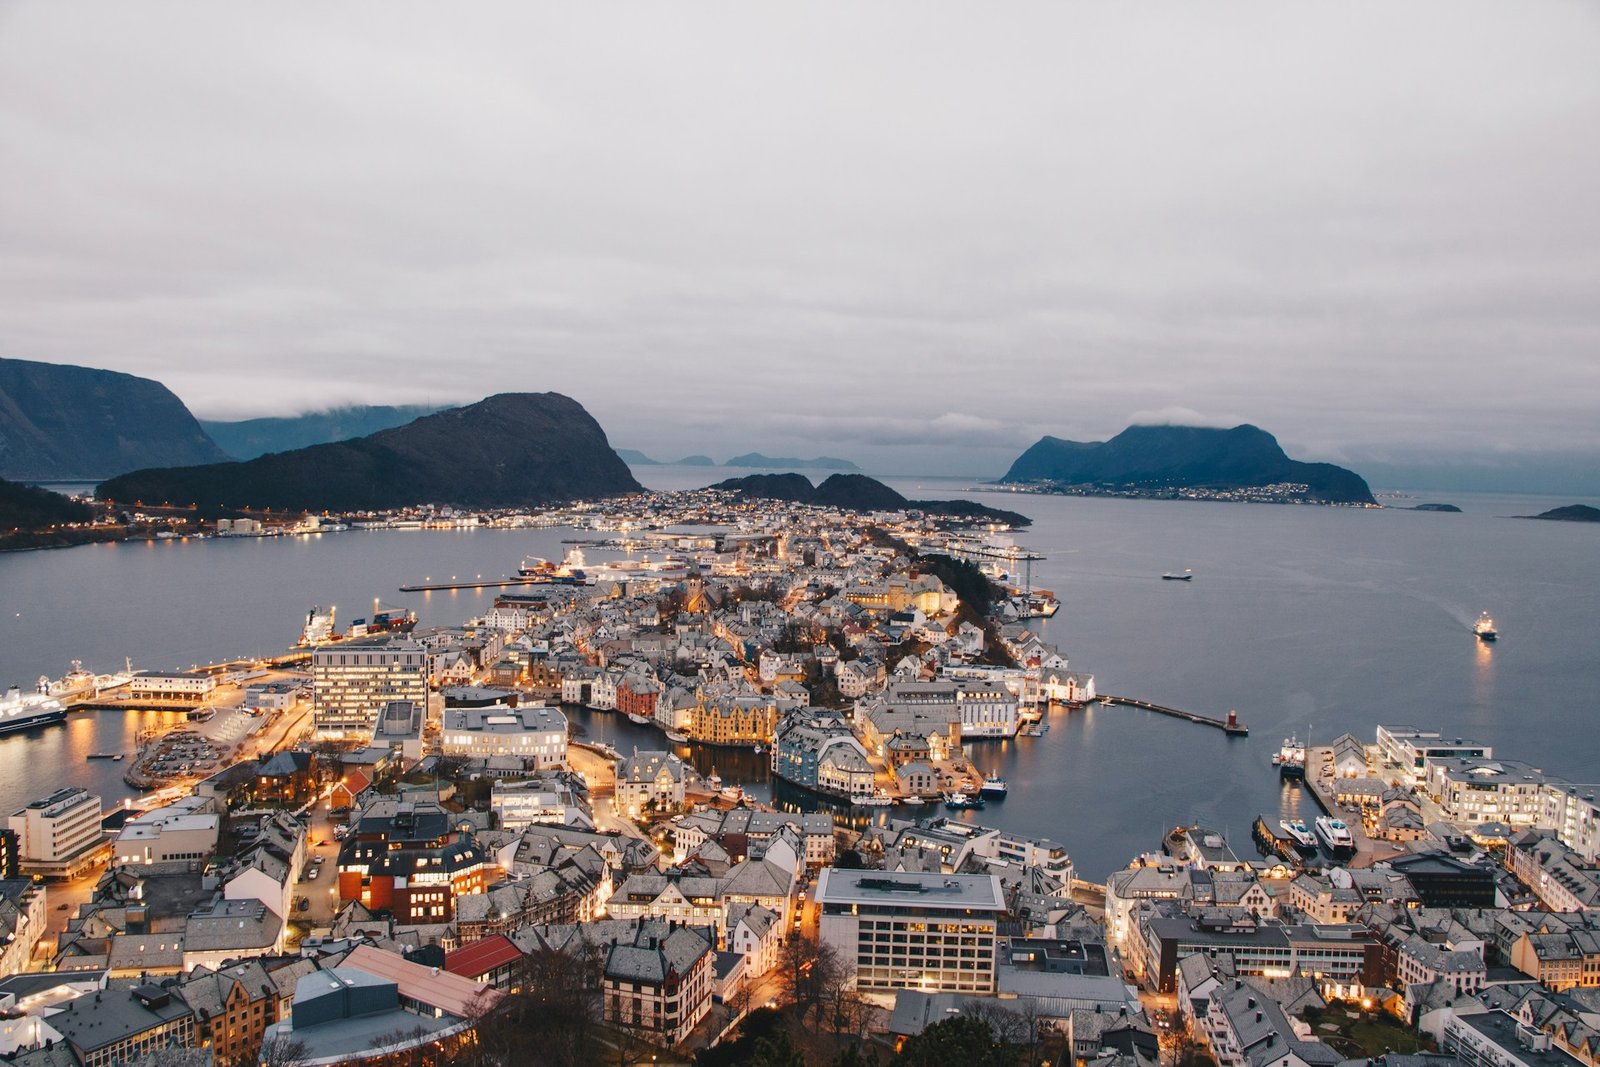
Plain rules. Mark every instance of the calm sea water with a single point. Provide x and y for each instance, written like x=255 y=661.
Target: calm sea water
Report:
x=1305 y=620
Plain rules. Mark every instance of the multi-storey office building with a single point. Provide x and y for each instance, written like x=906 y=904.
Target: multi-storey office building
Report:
x=353 y=680
x=932 y=932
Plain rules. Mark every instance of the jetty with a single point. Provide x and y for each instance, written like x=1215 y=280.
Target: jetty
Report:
x=477 y=583
x=1230 y=725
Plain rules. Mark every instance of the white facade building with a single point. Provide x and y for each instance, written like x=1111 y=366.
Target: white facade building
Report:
x=530 y=732
x=57 y=830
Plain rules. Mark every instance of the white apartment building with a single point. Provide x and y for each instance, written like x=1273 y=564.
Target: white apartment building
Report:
x=57 y=831
x=931 y=932
x=189 y=687
x=352 y=681
x=166 y=835
x=533 y=733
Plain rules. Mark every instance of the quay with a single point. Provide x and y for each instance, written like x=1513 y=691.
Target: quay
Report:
x=485 y=583
x=1230 y=726
x=1319 y=782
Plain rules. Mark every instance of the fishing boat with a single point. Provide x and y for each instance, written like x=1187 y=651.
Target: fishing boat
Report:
x=1484 y=628
x=962 y=801
x=1291 y=759
x=714 y=781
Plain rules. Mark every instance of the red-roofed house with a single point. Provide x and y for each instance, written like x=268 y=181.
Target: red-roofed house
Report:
x=348 y=789
x=425 y=990
x=495 y=960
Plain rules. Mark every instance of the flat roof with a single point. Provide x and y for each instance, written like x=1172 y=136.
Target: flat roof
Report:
x=910 y=890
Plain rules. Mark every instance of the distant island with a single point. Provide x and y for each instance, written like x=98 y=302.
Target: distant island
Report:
x=250 y=438
x=857 y=492
x=822 y=463
x=1166 y=462
x=511 y=450
x=1434 y=507
x=64 y=423
x=1570 y=513
x=634 y=458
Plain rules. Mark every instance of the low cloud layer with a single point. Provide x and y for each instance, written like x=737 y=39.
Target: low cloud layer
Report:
x=918 y=235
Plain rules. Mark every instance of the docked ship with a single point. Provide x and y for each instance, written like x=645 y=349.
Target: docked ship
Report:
x=1291 y=759
x=875 y=799
x=18 y=712
x=570 y=571
x=961 y=801
x=1035 y=604
x=677 y=737
x=640 y=720
x=1299 y=833
x=1484 y=628
x=319 y=628
x=1336 y=835
x=994 y=786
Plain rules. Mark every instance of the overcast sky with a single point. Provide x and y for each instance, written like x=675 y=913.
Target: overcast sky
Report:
x=917 y=235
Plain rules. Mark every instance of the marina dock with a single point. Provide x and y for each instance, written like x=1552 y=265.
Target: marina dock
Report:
x=1230 y=726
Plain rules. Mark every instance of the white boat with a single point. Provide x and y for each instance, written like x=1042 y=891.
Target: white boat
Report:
x=1300 y=834
x=1336 y=835
x=912 y=799
x=639 y=720
x=732 y=792
x=714 y=781
x=759 y=750
x=993 y=786
x=677 y=738
x=871 y=800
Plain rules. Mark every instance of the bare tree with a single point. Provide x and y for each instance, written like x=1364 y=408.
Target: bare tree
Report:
x=284 y=1051
x=812 y=973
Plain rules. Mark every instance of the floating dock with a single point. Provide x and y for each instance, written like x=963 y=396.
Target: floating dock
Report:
x=1230 y=726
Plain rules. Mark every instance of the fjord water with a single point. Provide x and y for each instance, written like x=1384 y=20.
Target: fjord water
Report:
x=1305 y=619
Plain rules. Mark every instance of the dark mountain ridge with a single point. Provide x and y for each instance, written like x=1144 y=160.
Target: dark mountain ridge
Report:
x=64 y=423
x=510 y=450
x=857 y=492
x=249 y=438
x=1153 y=458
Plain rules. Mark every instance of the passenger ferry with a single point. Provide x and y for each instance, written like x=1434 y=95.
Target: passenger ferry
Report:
x=1300 y=834
x=994 y=786
x=18 y=712
x=1336 y=835
x=1484 y=628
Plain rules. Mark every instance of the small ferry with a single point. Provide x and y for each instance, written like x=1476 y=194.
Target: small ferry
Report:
x=993 y=786
x=1484 y=628
x=1336 y=835
x=1291 y=758
x=1300 y=834
x=961 y=801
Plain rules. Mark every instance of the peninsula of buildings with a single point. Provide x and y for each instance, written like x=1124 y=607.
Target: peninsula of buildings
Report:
x=395 y=847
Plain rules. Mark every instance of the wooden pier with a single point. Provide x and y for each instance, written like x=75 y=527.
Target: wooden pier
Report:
x=1230 y=726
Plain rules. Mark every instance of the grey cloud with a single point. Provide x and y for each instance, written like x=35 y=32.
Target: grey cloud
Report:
x=928 y=232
